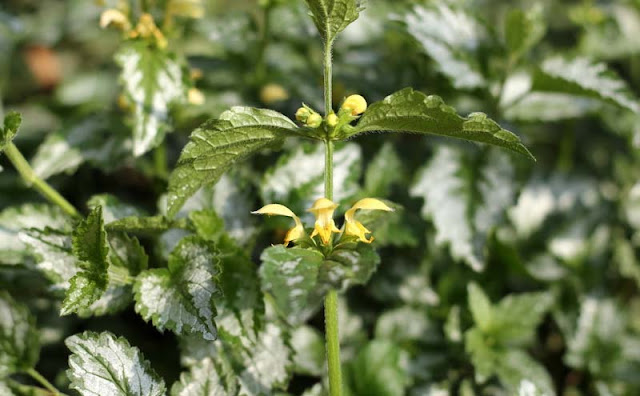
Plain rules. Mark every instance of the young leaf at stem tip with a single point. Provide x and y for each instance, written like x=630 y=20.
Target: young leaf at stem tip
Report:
x=333 y=16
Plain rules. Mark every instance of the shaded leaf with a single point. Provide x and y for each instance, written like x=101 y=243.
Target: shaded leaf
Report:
x=378 y=370
x=19 y=339
x=101 y=364
x=523 y=30
x=465 y=196
x=182 y=297
x=208 y=377
x=12 y=122
x=412 y=111
x=153 y=81
x=218 y=144
x=333 y=16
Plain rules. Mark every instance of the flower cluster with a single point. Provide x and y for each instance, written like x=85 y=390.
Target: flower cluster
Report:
x=325 y=226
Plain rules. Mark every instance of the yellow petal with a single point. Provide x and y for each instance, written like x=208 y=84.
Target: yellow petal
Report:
x=356 y=103
x=294 y=233
x=356 y=228
x=116 y=18
x=323 y=210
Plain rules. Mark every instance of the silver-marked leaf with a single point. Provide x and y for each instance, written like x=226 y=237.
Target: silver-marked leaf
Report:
x=101 y=364
x=218 y=144
x=182 y=297
x=583 y=77
x=465 y=196
x=153 y=81
x=90 y=140
x=112 y=208
x=349 y=265
x=27 y=216
x=19 y=339
x=5 y=389
x=209 y=377
x=523 y=30
x=267 y=363
x=309 y=358
x=412 y=111
x=52 y=251
x=333 y=16
x=89 y=246
x=451 y=37
x=298 y=179
x=291 y=277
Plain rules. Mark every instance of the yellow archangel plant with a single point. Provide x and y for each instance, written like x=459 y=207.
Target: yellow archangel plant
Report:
x=325 y=226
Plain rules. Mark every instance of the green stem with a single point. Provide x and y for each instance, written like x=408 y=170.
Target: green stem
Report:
x=32 y=180
x=332 y=332
x=160 y=161
x=43 y=381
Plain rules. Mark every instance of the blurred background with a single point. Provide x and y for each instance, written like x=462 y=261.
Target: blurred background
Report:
x=565 y=226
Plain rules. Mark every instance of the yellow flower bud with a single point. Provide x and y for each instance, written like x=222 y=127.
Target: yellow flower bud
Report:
x=356 y=103
x=272 y=93
x=332 y=120
x=314 y=120
x=195 y=96
x=302 y=114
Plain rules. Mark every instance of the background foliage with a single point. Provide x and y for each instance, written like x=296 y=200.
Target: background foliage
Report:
x=497 y=275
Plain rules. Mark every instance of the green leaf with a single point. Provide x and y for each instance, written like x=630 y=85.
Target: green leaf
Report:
x=218 y=144
x=412 y=111
x=523 y=30
x=309 y=345
x=465 y=195
x=153 y=81
x=349 y=265
x=451 y=37
x=291 y=277
x=94 y=140
x=390 y=229
x=101 y=364
x=297 y=180
x=112 y=208
x=12 y=122
x=147 y=225
x=182 y=297
x=378 y=370
x=516 y=317
x=208 y=377
x=333 y=16
x=480 y=306
x=405 y=325
x=17 y=218
x=19 y=339
x=583 y=77
x=382 y=172
x=89 y=245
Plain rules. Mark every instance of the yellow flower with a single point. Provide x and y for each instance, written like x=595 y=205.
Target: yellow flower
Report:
x=116 y=18
x=356 y=103
x=296 y=232
x=146 y=28
x=356 y=228
x=272 y=93
x=195 y=96
x=323 y=210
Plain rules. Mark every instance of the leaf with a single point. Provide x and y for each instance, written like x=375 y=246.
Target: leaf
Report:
x=153 y=82
x=349 y=265
x=12 y=122
x=112 y=208
x=309 y=345
x=523 y=30
x=390 y=229
x=465 y=196
x=382 y=172
x=291 y=277
x=94 y=140
x=19 y=338
x=480 y=307
x=52 y=251
x=14 y=219
x=207 y=378
x=181 y=297
x=516 y=317
x=583 y=77
x=218 y=144
x=333 y=16
x=378 y=370
x=89 y=245
x=298 y=179
x=147 y=225
x=451 y=37
x=267 y=363
x=412 y=111
x=101 y=364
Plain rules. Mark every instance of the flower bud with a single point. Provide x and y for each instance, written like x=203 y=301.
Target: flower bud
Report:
x=314 y=120
x=356 y=103
x=272 y=93
x=332 y=120
x=302 y=114
x=195 y=96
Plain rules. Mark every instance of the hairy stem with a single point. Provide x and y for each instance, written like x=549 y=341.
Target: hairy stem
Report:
x=43 y=381
x=32 y=180
x=332 y=332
